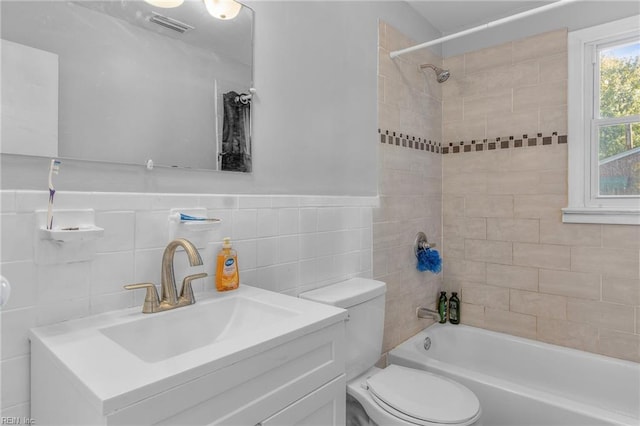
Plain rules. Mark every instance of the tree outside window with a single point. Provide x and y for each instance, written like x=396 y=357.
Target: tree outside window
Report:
x=618 y=127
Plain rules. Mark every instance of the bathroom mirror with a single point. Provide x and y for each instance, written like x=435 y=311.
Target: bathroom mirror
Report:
x=123 y=81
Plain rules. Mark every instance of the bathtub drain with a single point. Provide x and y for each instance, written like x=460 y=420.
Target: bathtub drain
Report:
x=427 y=343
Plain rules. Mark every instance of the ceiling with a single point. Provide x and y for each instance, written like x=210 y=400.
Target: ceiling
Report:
x=451 y=16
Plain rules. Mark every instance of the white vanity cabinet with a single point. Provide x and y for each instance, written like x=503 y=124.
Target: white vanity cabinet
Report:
x=293 y=379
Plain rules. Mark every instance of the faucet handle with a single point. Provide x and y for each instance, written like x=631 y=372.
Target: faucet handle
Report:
x=186 y=294
x=151 y=301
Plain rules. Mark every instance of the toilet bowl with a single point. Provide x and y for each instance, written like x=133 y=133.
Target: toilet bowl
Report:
x=405 y=396
x=394 y=395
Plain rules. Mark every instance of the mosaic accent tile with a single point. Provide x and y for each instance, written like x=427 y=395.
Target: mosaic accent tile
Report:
x=408 y=141
x=503 y=142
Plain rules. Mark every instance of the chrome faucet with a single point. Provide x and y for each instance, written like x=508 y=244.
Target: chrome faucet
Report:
x=169 y=291
x=426 y=313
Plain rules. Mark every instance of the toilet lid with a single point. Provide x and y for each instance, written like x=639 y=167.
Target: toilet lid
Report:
x=423 y=397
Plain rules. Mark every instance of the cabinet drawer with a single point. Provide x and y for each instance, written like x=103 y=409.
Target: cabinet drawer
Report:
x=250 y=390
x=323 y=407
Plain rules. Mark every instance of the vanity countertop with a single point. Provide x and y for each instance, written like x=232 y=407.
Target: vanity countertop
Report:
x=113 y=377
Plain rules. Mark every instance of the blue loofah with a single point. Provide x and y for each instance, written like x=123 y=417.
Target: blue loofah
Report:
x=429 y=260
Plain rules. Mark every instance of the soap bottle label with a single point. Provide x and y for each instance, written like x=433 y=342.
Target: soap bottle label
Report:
x=227 y=274
x=454 y=309
x=442 y=307
x=229 y=267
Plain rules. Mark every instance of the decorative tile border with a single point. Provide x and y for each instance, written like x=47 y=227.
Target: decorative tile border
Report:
x=504 y=143
x=404 y=140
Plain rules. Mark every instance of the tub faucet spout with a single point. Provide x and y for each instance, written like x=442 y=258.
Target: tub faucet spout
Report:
x=427 y=313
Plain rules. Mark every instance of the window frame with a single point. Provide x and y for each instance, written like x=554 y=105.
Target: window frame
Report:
x=585 y=203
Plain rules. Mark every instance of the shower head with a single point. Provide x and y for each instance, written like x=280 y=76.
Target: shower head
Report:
x=442 y=75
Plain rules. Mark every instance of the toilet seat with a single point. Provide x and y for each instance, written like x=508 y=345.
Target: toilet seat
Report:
x=423 y=398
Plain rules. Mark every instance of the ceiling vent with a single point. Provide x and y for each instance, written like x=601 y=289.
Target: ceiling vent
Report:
x=172 y=24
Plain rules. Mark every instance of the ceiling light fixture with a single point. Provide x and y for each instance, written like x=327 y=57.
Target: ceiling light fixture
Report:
x=223 y=9
x=165 y=4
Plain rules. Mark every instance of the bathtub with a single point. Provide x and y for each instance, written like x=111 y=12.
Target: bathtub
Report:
x=525 y=382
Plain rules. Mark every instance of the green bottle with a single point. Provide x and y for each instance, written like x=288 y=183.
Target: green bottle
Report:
x=454 y=309
x=442 y=307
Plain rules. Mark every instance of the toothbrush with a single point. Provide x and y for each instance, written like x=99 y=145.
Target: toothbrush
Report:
x=186 y=218
x=53 y=170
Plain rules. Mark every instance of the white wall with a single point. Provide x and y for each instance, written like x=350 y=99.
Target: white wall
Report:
x=315 y=119
x=286 y=244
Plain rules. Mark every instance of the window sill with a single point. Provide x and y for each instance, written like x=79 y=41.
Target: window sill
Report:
x=599 y=215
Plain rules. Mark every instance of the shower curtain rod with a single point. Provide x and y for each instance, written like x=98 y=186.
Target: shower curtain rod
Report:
x=491 y=24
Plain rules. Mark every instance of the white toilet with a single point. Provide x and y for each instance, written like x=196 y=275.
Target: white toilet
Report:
x=394 y=395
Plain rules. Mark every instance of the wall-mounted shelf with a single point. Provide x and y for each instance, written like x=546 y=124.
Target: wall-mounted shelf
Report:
x=195 y=231
x=79 y=233
x=204 y=224
x=72 y=239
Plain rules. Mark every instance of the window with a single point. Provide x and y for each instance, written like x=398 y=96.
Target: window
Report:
x=604 y=124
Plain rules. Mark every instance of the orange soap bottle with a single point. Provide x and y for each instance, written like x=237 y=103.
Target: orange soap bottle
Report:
x=227 y=274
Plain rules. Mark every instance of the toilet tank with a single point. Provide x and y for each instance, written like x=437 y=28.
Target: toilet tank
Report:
x=364 y=299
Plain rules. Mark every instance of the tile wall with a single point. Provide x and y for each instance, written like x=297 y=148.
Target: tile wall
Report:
x=410 y=185
x=520 y=270
x=285 y=243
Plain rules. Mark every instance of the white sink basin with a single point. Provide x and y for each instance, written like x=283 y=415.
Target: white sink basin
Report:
x=156 y=337
x=118 y=358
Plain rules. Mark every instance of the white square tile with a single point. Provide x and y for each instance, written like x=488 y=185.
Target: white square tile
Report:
x=267 y=251
x=329 y=219
x=152 y=229
x=326 y=243
x=111 y=271
x=267 y=223
x=254 y=202
x=366 y=260
x=326 y=268
x=109 y=302
x=119 y=231
x=15 y=381
x=309 y=271
x=64 y=310
x=366 y=216
x=29 y=201
x=284 y=201
x=347 y=264
x=350 y=217
x=288 y=247
x=308 y=246
x=308 y=220
x=23 y=280
x=224 y=228
x=62 y=282
x=72 y=200
x=288 y=276
x=288 y=220
x=247 y=254
x=15 y=331
x=245 y=224
x=148 y=263
x=17 y=236
x=174 y=201
x=118 y=201
x=267 y=278
x=218 y=202
x=7 y=201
